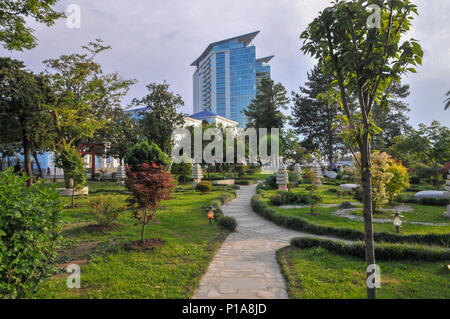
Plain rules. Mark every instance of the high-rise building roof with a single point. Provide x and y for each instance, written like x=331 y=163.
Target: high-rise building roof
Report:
x=246 y=38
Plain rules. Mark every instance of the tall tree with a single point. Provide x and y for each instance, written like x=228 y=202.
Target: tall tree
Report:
x=160 y=118
x=14 y=34
x=314 y=118
x=365 y=58
x=265 y=111
x=23 y=96
x=85 y=96
x=393 y=121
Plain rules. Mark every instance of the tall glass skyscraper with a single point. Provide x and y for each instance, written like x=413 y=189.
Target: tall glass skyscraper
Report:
x=226 y=77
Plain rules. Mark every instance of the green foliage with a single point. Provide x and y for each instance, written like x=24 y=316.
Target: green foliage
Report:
x=122 y=134
x=301 y=224
x=143 y=152
x=105 y=209
x=183 y=170
x=314 y=118
x=25 y=122
x=399 y=181
x=14 y=33
x=290 y=198
x=160 y=117
x=84 y=95
x=228 y=223
x=204 y=187
x=71 y=161
x=30 y=224
x=382 y=251
x=265 y=111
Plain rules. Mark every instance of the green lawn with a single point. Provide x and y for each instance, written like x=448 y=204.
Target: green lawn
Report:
x=317 y=273
x=110 y=271
x=324 y=216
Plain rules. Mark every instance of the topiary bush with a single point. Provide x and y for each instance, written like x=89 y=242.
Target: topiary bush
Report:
x=204 y=187
x=287 y=198
x=30 y=227
x=228 y=223
x=105 y=209
x=143 y=152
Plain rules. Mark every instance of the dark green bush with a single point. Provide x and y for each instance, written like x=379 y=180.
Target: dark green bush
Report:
x=271 y=182
x=250 y=172
x=143 y=152
x=300 y=224
x=290 y=198
x=228 y=223
x=204 y=187
x=30 y=226
x=382 y=251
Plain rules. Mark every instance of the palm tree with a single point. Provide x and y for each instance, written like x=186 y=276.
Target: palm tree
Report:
x=447 y=101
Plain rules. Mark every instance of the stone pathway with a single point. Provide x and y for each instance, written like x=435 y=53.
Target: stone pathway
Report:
x=245 y=266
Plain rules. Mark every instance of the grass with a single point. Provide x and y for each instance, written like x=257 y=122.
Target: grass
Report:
x=323 y=215
x=317 y=273
x=110 y=271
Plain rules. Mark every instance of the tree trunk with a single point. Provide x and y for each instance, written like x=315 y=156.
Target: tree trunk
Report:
x=41 y=173
x=436 y=176
x=27 y=160
x=368 y=213
x=143 y=233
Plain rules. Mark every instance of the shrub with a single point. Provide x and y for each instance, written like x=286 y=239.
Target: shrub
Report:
x=271 y=182
x=30 y=226
x=204 y=187
x=434 y=201
x=184 y=170
x=149 y=184
x=228 y=223
x=143 y=152
x=105 y=209
x=249 y=172
x=399 y=181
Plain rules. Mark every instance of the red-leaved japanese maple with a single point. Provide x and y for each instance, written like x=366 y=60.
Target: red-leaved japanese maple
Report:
x=149 y=184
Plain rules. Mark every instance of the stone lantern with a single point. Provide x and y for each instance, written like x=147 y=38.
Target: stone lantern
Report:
x=298 y=170
x=197 y=174
x=447 y=194
x=282 y=178
x=317 y=171
x=121 y=175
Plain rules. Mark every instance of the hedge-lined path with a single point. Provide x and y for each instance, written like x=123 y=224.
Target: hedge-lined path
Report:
x=245 y=266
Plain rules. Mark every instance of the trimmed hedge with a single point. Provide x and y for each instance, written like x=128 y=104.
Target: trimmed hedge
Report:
x=245 y=182
x=286 y=198
x=300 y=224
x=404 y=198
x=382 y=251
x=228 y=223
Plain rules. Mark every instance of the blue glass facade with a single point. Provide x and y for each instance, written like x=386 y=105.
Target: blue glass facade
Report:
x=221 y=103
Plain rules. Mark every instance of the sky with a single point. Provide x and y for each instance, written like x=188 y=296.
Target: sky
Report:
x=157 y=40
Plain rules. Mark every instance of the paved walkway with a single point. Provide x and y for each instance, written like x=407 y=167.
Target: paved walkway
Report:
x=245 y=266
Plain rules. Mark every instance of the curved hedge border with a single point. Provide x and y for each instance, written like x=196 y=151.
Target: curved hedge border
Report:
x=216 y=203
x=298 y=223
x=382 y=251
